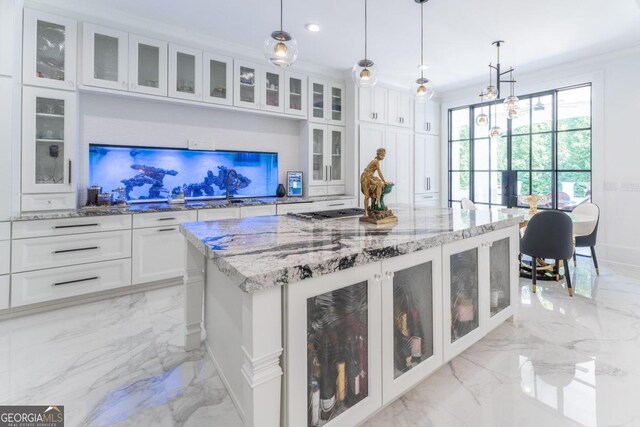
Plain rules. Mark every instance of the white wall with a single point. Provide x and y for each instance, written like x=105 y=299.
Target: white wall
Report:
x=106 y=119
x=616 y=140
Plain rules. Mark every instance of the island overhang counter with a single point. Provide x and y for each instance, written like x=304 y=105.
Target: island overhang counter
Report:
x=325 y=322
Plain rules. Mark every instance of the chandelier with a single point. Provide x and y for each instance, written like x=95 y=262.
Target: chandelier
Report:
x=493 y=92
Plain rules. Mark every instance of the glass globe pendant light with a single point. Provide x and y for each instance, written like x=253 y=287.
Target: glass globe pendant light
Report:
x=365 y=72
x=511 y=102
x=495 y=132
x=422 y=88
x=491 y=92
x=280 y=48
x=482 y=120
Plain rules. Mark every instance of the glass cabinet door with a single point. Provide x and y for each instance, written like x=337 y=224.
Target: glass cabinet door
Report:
x=247 y=85
x=337 y=159
x=47 y=140
x=49 y=50
x=217 y=78
x=337 y=352
x=500 y=276
x=273 y=90
x=318 y=164
x=147 y=65
x=105 y=57
x=337 y=104
x=464 y=288
x=318 y=90
x=185 y=73
x=295 y=94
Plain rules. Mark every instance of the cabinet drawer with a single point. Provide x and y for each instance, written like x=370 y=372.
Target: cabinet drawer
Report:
x=335 y=204
x=55 y=283
x=158 y=219
x=59 y=227
x=294 y=208
x=5 y=230
x=335 y=190
x=58 y=251
x=249 y=211
x=4 y=292
x=48 y=202
x=216 y=214
x=158 y=253
x=5 y=256
x=317 y=191
x=432 y=199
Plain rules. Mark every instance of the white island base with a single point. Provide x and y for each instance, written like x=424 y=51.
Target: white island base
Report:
x=396 y=321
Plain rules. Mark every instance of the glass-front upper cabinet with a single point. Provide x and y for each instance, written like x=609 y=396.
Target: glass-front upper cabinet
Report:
x=48 y=140
x=317 y=156
x=333 y=349
x=218 y=78
x=411 y=319
x=147 y=65
x=49 y=50
x=295 y=101
x=104 y=57
x=336 y=155
x=273 y=87
x=247 y=82
x=185 y=72
x=326 y=102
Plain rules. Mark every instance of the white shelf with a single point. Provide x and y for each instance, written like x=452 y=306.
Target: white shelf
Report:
x=49 y=140
x=61 y=116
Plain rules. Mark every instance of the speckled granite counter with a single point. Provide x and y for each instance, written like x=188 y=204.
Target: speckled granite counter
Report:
x=165 y=207
x=264 y=252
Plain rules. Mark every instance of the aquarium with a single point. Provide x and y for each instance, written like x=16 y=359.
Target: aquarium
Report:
x=155 y=174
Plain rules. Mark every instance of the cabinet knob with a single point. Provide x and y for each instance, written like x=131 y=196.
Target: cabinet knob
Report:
x=388 y=275
x=377 y=277
x=71 y=83
x=373 y=115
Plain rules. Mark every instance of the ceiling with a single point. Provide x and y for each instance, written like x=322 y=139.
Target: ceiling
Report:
x=458 y=33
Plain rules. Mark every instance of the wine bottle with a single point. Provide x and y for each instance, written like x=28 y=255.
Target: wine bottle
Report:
x=341 y=380
x=327 y=380
x=353 y=373
x=314 y=402
x=416 y=334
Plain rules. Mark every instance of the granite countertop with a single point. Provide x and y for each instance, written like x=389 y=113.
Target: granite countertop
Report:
x=263 y=252
x=166 y=207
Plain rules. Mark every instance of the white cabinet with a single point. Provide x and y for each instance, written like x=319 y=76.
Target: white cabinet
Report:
x=288 y=208
x=258 y=87
x=147 y=65
x=218 y=214
x=5 y=256
x=218 y=78
x=63 y=226
x=7 y=31
x=260 y=210
x=427 y=200
x=48 y=142
x=325 y=159
x=326 y=102
x=427 y=117
x=411 y=320
x=397 y=165
x=373 y=104
x=49 y=50
x=295 y=92
x=400 y=109
x=4 y=292
x=163 y=219
x=105 y=57
x=158 y=254
x=333 y=348
x=7 y=117
x=480 y=277
x=427 y=164
x=185 y=72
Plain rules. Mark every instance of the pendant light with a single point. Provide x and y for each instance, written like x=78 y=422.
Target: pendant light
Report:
x=491 y=92
x=511 y=102
x=495 y=132
x=482 y=120
x=365 y=72
x=280 y=48
x=422 y=89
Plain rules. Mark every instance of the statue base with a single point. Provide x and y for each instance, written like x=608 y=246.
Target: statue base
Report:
x=380 y=217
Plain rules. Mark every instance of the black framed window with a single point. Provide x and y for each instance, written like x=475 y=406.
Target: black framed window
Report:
x=546 y=151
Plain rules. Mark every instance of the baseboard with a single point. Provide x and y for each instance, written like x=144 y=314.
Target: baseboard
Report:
x=619 y=254
x=88 y=298
x=234 y=398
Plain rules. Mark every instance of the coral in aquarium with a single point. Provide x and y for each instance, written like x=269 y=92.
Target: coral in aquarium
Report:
x=220 y=181
x=205 y=188
x=148 y=175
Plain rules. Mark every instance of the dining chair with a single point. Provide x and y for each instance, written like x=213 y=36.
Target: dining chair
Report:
x=468 y=204
x=586 y=233
x=549 y=234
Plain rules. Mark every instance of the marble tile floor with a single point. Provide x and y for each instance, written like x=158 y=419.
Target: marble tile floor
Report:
x=562 y=361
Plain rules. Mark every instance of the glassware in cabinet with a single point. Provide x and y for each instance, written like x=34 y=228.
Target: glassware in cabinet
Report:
x=185 y=73
x=317 y=155
x=247 y=84
x=464 y=289
x=318 y=90
x=218 y=77
x=295 y=94
x=273 y=90
x=49 y=50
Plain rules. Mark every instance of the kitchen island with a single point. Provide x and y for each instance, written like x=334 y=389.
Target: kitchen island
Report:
x=325 y=322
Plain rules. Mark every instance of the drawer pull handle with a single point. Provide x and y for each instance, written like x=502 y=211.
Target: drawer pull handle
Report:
x=166 y=219
x=68 y=282
x=57 y=227
x=337 y=204
x=63 y=251
x=166 y=229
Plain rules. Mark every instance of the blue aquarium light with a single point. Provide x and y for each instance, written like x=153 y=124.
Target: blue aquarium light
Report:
x=155 y=174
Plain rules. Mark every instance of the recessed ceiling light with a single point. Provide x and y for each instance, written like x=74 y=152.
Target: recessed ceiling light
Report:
x=313 y=27
x=423 y=67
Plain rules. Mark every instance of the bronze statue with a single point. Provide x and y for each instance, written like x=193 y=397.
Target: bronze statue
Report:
x=374 y=188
